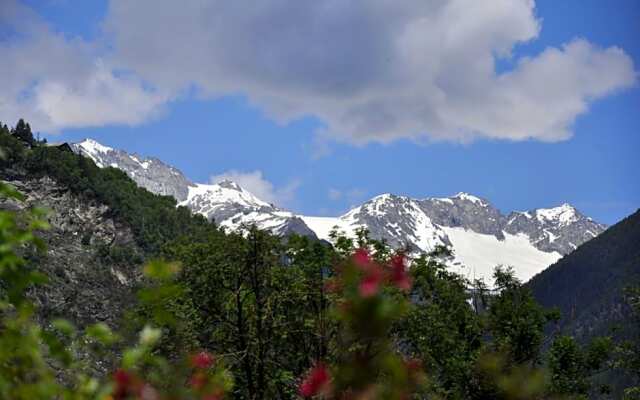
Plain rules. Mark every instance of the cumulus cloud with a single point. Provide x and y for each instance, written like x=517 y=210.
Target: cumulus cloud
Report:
x=58 y=82
x=254 y=182
x=369 y=70
x=373 y=70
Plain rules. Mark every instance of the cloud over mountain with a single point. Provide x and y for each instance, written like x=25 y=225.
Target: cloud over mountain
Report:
x=256 y=183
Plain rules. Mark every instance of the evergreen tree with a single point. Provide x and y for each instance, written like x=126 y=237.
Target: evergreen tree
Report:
x=441 y=329
x=571 y=366
x=23 y=132
x=516 y=322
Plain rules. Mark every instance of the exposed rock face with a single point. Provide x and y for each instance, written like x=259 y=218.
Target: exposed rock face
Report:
x=149 y=173
x=560 y=229
x=466 y=211
x=479 y=235
x=82 y=286
x=398 y=220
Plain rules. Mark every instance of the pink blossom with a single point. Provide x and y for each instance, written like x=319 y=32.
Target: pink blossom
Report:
x=399 y=276
x=362 y=258
x=202 y=360
x=370 y=283
x=316 y=380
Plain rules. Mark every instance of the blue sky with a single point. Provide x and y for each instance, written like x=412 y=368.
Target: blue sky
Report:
x=305 y=129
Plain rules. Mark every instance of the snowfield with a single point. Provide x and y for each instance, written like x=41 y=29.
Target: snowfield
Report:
x=477 y=255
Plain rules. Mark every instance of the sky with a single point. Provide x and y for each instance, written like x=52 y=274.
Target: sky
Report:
x=318 y=106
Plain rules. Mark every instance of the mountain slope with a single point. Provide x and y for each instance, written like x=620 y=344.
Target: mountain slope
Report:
x=226 y=202
x=479 y=234
x=232 y=206
x=588 y=284
x=474 y=229
x=149 y=173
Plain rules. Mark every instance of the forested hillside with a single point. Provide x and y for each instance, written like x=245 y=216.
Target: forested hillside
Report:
x=247 y=316
x=588 y=285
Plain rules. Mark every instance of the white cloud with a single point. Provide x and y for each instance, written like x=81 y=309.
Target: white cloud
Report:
x=254 y=182
x=373 y=70
x=56 y=82
x=370 y=70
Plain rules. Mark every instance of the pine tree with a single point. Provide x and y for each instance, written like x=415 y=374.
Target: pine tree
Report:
x=23 y=132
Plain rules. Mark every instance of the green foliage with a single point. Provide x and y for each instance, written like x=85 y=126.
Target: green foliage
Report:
x=12 y=148
x=627 y=353
x=566 y=365
x=267 y=316
x=515 y=320
x=117 y=254
x=589 y=286
x=22 y=131
x=570 y=366
x=29 y=353
x=442 y=329
x=23 y=369
x=366 y=364
x=496 y=377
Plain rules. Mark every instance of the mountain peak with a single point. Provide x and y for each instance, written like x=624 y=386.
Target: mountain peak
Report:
x=469 y=197
x=92 y=146
x=229 y=184
x=565 y=213
x=385 y=197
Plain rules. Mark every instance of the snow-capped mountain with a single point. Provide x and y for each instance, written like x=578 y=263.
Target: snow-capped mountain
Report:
x=232 y=206
x=559 y=229
x=480 y=236
x=149 y=173
x=226 y=203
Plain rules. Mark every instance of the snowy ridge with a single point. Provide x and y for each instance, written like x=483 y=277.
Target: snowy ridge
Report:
x=480 y=236
x=149 y=173
x=469 y=197
x=225 y=192
x=565 y=214
x=93 y=149
x=232 y=207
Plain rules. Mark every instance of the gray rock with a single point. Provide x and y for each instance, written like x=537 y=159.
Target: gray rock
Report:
x=560 y=229
x=465 y=211
x=82 y=287
x=399 y=221
x=149 y=173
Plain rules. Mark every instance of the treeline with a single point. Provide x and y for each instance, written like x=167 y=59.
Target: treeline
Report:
x=273 y=308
